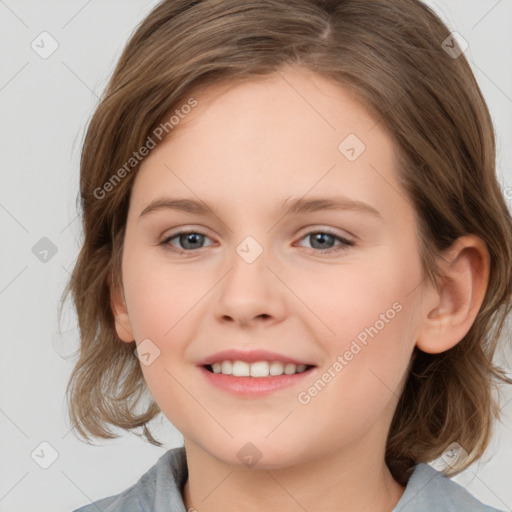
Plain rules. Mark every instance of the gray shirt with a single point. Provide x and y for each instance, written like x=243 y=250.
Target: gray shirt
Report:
x=160 y=490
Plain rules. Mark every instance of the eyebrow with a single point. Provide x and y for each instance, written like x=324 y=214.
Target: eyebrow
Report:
x=295 y=206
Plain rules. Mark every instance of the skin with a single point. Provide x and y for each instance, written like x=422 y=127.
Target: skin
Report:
x=245 y=149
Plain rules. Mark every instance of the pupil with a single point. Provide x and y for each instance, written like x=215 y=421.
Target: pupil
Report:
x=321 y=237
x=192 y=238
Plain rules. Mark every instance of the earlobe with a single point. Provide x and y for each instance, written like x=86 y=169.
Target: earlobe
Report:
x=454 y=307
x=120 y=313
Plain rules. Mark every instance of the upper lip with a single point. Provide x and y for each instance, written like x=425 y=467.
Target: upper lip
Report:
x=249 y=356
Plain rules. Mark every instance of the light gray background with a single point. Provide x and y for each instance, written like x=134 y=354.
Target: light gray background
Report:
x=45 y=105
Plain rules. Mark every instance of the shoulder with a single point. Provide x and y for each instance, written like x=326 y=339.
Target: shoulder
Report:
x=156 y=490
x=429 y=489
x=126 y=501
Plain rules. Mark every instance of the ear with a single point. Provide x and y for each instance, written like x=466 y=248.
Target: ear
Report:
x=454 y=307
x=120 y=312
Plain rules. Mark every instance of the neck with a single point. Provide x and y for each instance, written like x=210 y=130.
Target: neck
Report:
x=355 y=480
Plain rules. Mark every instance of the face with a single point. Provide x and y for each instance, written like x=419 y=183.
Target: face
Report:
x=293 y=249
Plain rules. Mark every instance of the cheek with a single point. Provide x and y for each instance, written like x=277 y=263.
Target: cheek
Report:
x=361 y=299
x=363 y=378
x=374 y=320
x=158 y=296
x=371 y=314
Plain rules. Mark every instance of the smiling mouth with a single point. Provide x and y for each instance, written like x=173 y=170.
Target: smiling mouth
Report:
x=257 y=369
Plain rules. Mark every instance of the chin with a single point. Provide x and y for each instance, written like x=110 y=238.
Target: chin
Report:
x=259 y=454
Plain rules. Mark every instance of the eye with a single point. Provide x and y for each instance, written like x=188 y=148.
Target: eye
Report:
x=188 y=240
x=323 y=241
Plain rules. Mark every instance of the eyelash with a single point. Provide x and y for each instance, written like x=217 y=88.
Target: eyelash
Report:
x=345 y=244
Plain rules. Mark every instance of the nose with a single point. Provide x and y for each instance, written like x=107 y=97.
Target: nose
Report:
x=251 y=294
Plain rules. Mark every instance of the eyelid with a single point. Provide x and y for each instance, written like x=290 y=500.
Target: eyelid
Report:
x=318 y=228
x=191 y=228
x=184 y=231
x=180 y=230
x=306 y=230
x=344 y=242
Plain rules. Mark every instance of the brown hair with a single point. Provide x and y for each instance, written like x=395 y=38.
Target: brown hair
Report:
x=390 y=54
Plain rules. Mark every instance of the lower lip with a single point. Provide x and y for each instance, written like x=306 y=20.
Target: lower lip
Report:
x=254 y=386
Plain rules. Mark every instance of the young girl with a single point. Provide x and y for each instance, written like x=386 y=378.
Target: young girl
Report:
x=295 y=240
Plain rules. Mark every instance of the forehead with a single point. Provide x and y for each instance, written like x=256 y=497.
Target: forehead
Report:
x=284 y=135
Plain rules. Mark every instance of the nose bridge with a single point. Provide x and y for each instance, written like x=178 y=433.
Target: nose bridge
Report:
x=248 y=269
x=250 y=289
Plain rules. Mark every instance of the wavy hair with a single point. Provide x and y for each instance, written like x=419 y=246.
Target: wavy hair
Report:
x=392 y=54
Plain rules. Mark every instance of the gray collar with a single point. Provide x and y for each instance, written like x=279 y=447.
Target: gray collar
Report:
x=161 y=489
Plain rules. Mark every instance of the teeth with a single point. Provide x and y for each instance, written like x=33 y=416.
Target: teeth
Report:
x=227 y=367
x=256 y=369
x=259 y=369
x=289 y=369
x=241 y=369
x=276 y=368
